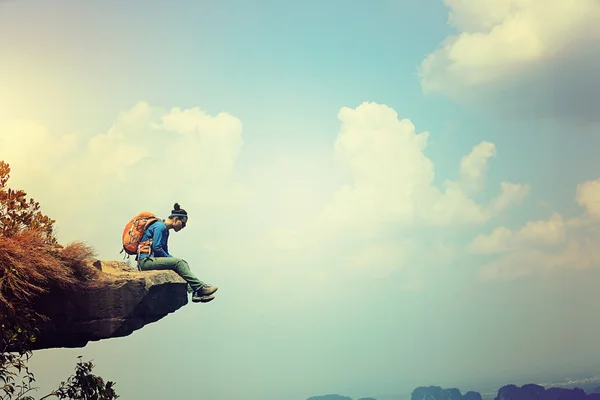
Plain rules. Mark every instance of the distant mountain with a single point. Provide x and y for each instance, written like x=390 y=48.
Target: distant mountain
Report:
x=571 y=389
x=435 y=393
x=508 y=392
x=337 y=397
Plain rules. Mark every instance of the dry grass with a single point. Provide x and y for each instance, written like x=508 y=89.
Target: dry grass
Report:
x=73 y=257
x=29 y=267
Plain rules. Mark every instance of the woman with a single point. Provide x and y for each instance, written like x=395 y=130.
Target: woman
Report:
x=154 y=254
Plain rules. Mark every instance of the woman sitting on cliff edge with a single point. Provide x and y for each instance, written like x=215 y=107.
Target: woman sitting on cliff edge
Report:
x=157 y=257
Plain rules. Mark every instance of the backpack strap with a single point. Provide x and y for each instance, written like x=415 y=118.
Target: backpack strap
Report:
x=147 y=242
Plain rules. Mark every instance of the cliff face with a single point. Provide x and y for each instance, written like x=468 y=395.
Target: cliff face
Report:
x=123 y=301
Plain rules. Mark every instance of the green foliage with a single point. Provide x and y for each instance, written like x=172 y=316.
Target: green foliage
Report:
x=15 y=377
x=82 y=385
x=17 y=213
x=85 y=386
x=18 y=326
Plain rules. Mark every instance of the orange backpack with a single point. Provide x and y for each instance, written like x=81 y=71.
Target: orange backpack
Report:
x=134 y=230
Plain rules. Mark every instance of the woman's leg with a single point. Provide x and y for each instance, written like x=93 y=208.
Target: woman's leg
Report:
x=175 y=264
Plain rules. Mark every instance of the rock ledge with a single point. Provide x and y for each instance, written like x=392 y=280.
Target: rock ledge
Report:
x=122 y=301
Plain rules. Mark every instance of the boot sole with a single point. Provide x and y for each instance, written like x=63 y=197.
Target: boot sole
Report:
x=203 y=299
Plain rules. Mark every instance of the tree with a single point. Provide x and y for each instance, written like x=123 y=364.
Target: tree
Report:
x=31 y=261
x=84 y=385
x=17 y=214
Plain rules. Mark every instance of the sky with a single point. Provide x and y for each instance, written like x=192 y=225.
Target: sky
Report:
x=388 y=194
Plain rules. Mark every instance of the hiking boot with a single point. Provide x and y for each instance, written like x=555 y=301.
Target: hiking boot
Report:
x=206 y=290
x=197 y=298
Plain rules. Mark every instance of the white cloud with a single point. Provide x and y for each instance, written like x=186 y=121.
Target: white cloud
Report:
x=588 y=197
x=521 y=54
x=29 y=145
x=383 y=220
x=533 y=233
x=391 y=179
x=149 y=159
x=580 y=252
x=543 y=247
x=149 y=144
x=385 y=217
x=210 y=145
x=497 y=241
x=511 y=193
x=385 y=159
x=474 y=166
x=550 y=232
x=519 y=265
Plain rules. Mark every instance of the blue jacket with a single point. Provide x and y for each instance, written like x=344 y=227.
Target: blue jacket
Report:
x=159 y=234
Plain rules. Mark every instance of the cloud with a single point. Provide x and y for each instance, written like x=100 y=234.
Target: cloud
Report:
x=588 y=197
x=473 y=167
x=546 y=246
x=577 y=253
x=383 y=216
x=390 y=179
x=30 y=143
x=148 y=159
x=388 y=217
x=525 y=57
x=149 y=144
x=534 y=233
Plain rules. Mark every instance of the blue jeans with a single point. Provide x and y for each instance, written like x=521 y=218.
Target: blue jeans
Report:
x=173 y=263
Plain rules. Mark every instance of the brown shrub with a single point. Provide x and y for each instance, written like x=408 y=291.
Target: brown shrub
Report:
x=30 y=266
x=74 y=256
